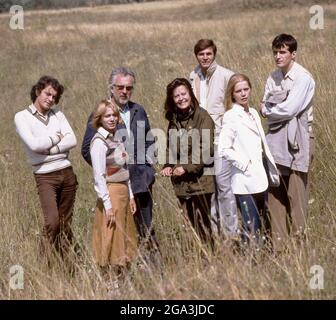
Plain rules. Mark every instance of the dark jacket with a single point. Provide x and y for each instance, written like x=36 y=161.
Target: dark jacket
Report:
x=139 y=147
x=195 y=157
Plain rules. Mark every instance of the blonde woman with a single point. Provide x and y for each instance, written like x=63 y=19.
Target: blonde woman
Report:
x=114 y=232
x=242 y=142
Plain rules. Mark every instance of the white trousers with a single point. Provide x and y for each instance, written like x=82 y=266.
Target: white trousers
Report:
x=224 y=219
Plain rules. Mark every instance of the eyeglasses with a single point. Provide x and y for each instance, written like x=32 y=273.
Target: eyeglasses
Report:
x=120 y=87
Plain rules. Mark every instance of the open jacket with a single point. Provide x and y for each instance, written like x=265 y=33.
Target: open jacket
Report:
x=190 y=145
x=242 y=141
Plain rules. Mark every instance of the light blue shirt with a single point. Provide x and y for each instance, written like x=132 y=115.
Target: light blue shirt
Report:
x=126 y=116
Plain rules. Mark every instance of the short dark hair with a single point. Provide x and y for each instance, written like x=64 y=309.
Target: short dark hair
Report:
x=285 y=40
x=170 y=106
x=204 y=44
x=43 y=82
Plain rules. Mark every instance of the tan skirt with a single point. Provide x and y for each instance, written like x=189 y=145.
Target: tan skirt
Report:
x=116 y=245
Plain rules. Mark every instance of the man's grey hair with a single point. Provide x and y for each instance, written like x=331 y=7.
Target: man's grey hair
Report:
x=117 y=71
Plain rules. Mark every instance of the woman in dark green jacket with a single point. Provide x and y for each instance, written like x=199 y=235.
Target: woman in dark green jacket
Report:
x=190 y=154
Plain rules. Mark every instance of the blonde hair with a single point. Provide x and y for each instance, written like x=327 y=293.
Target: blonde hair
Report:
x=100 y=110
x=238 y=77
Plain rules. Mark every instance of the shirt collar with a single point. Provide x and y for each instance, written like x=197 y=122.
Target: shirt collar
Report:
x=291 y=73
x=34 y=110
x=209 y=72
x=103 y=132
x=124 y=109
x=239 y=108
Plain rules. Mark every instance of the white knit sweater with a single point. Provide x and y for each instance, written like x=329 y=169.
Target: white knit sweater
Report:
x=46 y=151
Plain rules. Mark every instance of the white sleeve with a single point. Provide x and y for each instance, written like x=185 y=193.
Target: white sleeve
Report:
x=131 y=195
x=69 y=139
x=225 y=145
x=36 y=144
x=298 y=99
x=98 y=158
x=268 y=87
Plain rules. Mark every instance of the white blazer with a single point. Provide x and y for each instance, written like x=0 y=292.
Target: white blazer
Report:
x=242 y=141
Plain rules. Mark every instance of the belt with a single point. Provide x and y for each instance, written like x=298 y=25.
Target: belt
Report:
x=112 y=170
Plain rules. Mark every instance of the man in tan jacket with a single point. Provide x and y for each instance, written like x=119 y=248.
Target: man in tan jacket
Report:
x=209 y=82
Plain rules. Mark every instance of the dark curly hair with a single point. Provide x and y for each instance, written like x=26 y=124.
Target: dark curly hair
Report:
x=285 y=40
x=170 y=106
x=42 y=83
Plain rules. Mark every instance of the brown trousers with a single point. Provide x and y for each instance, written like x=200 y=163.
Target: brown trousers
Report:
x=116 y=245
x=288 y=205
x=197 y=210
x=57 y=192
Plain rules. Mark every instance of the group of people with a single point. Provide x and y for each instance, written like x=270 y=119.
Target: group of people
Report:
x=218 y=157
x=265 y=178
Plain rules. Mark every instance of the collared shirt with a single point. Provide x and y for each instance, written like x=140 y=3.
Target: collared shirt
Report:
x=125 y=114
x=98 y=157
x=287 y=115
x=41 y=115
x=45 y=149
x=203 y=91
x=300 y=87
x=216 y=83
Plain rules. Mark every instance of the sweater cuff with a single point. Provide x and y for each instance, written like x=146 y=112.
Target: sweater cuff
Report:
x=54 y=150
x=55 y=139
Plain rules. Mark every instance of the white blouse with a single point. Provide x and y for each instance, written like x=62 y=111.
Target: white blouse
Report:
x=98 y=157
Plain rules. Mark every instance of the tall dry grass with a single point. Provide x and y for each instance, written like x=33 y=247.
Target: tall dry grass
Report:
x=80 y=47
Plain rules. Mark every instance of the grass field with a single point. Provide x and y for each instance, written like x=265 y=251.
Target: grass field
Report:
x=79 y=47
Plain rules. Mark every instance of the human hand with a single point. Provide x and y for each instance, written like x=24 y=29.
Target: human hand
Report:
x=178 y=171
x=261 y=105
x=110 y=218
x=167 y=172
x=133 y=205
